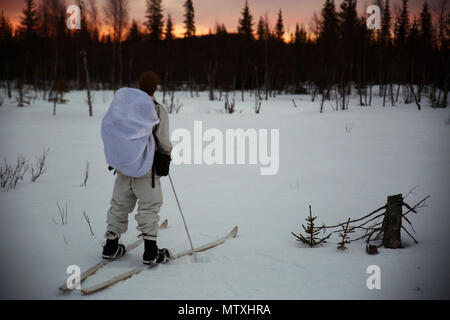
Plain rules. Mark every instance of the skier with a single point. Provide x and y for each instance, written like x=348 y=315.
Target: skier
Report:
x=135 y=133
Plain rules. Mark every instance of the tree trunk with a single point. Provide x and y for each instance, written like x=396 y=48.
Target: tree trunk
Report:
x=88 y=83
x=211 y=74
x=113 y=69
x=391 y=92
x=120 y=65
x=415 y=97
x=443 y=104
x=130 y=66
x=322 y=101
x=392 y=222
x=397 y=94
x=243 y=84
x=8 y=85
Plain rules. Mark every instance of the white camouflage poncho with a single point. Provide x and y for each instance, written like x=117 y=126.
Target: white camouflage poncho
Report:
x=127 y=132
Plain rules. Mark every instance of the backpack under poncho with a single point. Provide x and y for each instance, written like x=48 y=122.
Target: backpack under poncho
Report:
x=126 y=131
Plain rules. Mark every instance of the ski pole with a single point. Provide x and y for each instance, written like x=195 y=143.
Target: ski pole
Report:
x=182 y=216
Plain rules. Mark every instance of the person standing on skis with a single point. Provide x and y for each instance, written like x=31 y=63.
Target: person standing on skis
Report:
x=135 y=134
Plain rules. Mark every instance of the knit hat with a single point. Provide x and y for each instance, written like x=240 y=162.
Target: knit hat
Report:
x=148 y=82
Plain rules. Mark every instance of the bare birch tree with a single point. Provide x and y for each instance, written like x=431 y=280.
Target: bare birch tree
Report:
x=116 y=12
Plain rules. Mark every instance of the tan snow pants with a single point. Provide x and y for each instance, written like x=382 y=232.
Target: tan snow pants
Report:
x=127 y=191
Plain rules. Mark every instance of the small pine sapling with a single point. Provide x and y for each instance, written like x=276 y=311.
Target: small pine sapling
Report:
x=311 y=231
x=345 y=239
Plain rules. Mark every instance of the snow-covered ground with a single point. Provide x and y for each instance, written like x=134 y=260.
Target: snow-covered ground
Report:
x=342 y=163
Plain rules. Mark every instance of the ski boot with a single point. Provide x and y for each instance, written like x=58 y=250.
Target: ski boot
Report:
x=112 y=249
x=154 y=255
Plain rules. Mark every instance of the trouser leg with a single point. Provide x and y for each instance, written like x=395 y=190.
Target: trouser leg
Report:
x=149 y=203
x=122 y=203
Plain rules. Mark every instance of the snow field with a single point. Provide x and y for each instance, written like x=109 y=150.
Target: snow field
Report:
x=342 y=163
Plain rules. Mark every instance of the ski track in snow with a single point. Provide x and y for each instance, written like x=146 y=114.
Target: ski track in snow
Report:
x=341 y=174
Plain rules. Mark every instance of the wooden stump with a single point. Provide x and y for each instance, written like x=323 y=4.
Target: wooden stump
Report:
x=392 y=222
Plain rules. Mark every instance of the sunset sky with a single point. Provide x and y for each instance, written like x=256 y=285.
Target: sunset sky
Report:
x=210 y=12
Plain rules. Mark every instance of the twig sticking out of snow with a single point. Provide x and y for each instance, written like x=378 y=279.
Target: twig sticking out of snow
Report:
x=293 y=101
x=39 y=167
x=178 y=105
x=86 y=174
x=174 y=105
x=10 y=175
x=410 y=192
x=88 y=221
x=62 y=213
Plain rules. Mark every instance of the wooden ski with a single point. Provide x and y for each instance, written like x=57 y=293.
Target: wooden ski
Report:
x=89 y=272
x=137 y=270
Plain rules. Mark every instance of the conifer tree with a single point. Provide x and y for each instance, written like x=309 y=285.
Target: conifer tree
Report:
x=134 y=34
x=345 y=239
x=329 y=22
x=6 y=30
x=29 y=22
x=246 y=22
x=168 y=35
x=154 y=18
x=402 y=25
x=414 y=35
x=327 y=43
x=279 y=27
x=426 y=26
x=386 y=25
x=300 y=34
x=221 y=29
x=348 y=17
x=311 y=238
x=6 y=38
x=261 y=29
x=348 y=26
x=189 y=16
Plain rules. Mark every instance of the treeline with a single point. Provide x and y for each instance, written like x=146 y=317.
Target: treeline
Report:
x=337 y=56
